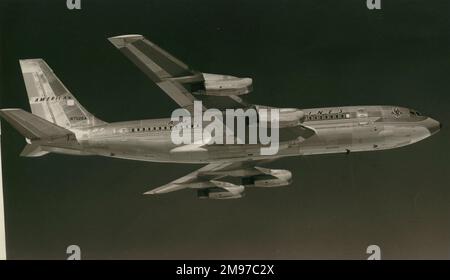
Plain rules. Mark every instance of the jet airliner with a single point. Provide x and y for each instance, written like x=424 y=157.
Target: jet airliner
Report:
x=58 y=123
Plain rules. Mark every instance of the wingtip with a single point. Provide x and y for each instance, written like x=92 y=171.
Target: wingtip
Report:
x=122 y=40
x=149 y=192
x=153 y=191
x=159 y=190
x=125 y=36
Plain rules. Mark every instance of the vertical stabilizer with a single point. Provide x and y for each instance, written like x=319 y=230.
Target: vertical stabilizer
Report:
x=50 y=99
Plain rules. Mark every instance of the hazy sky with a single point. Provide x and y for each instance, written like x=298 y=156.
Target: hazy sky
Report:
x=301 y=54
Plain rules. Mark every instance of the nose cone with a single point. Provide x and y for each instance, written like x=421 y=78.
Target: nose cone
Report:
x=432 y=125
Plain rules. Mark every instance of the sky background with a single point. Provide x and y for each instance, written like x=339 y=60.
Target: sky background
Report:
x=305 y=54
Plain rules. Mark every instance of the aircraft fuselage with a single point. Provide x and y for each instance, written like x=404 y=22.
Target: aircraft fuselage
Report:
x=338 y=130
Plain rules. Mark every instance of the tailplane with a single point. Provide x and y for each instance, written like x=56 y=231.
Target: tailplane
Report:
x=33 y=150
x=38 y=132
x=33 y=127
x=51 y=100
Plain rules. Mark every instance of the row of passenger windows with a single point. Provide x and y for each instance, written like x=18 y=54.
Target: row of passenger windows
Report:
x=308 y=118
x=156 y=128
x=327 y=117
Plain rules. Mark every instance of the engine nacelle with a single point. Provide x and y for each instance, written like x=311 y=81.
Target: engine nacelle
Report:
x=223 y=190
x=224 y=85
x=287 y=117
x=270 y=179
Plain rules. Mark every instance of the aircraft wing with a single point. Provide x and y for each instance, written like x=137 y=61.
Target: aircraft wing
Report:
x=180 y=82
x=210 y=176
x=185 y=181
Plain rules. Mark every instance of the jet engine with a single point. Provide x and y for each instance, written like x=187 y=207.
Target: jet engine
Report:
x=222 y=190
x=225 y=85
x=287 y=117
x=269 y=178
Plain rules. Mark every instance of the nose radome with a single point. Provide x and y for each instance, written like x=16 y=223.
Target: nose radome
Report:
x=433 y=126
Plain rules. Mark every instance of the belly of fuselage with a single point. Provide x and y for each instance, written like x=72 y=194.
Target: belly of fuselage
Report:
x=331 y=137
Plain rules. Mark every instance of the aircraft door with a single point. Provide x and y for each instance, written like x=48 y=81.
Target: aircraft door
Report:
x=363 y=117
x=365 y=134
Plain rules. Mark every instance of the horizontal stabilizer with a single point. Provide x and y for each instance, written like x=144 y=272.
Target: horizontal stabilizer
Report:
x=32 y=126
x=33 y=150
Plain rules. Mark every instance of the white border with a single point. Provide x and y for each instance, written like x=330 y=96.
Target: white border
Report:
x=2 y=213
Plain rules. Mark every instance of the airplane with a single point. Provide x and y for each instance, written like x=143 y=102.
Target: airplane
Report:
x=58 y=123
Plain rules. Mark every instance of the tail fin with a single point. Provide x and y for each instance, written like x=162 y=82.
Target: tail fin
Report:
x=50 y=99
x=33 y=127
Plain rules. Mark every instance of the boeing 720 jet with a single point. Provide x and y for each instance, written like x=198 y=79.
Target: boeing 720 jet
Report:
x=60 y=124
